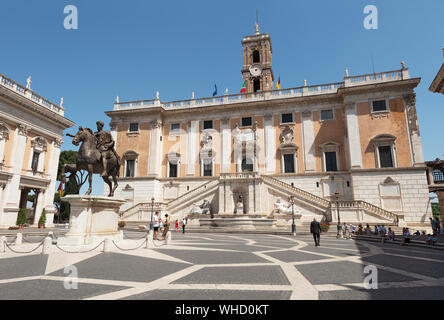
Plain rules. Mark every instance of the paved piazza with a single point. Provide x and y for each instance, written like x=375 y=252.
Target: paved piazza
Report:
x=226 y=267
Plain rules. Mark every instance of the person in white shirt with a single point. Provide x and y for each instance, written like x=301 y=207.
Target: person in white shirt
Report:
x=184 y=223
x=156 y=225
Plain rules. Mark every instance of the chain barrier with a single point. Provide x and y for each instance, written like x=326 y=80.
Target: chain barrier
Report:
x=124 y=233
x=28 y=241
x=138 y=247
x=9 y=247
x=164 y=244
x=67 y=251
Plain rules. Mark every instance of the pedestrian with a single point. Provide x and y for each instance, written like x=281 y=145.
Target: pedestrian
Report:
x=437 y=225
x=177 y=225
x=347 y=231
x=156 y=225
x=184 y=223
x=376 y=230
x=315 y=229
x=406 y=236
x=390 y=235
x=166 y=226
x=368 y=230
x=383 y=234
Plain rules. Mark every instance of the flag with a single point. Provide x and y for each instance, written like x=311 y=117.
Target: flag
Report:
x=244 y=87
x=60 y=189
x=278 y=84
x=215 y=90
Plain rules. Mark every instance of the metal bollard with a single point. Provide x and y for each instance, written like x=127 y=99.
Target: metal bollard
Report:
x=3 y=244
x=168 y=238
x=107 y=245
x=19 y=239
x=47 y=243
x=149 y=242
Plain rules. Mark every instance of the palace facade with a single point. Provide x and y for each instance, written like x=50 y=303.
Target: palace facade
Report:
x=353 y=145
x=30 y=138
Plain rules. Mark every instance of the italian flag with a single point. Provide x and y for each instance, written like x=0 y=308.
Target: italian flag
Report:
x=60 y=189
x=278 y=84
x=244 y=87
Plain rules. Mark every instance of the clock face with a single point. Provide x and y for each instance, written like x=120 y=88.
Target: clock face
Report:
x=255 y=70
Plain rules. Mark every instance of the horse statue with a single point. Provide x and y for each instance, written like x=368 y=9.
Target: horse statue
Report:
x=95 y=155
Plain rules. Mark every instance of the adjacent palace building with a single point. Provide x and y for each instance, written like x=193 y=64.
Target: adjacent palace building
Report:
x=30 y=138
x=353 y=145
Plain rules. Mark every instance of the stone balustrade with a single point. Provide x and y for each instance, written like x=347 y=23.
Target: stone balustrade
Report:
x=29 y=94
x=329 y=88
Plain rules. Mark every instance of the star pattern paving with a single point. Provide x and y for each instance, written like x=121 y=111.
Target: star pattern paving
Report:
x=225 y=267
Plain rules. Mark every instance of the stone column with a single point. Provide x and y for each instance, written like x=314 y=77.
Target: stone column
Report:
x=354 y=142
x=415 y=137
x=440 y=195
x=113 y=130
x=269 y=145
x=12 y=191
x=48 y=201
x=226 y=146
x=154 y=154
x=193 y=131
x=308 y=141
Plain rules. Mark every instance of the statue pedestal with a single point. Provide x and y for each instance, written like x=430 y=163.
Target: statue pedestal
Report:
x=92 y=219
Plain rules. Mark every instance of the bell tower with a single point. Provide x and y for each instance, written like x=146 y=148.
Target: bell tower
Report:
x=256 y=69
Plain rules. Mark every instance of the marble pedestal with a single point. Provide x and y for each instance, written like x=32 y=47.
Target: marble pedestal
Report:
x=92 y=219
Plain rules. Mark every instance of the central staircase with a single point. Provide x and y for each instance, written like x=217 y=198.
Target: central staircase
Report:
x=316 y=204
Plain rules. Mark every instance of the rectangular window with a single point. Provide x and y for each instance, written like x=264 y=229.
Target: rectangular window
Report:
x=330 y=161
x=208 y=169
x=327 y=115
x=130 y=166
x=134 y=127
x=287 y=118
x=289 y=163
x=35 y=161
x=246 y=122
x=175 y=126
x=379 y=105
x=173 y=170
x=208 y=124
x=385 y=157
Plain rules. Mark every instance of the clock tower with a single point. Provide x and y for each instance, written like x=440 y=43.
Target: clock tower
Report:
x=256 y=69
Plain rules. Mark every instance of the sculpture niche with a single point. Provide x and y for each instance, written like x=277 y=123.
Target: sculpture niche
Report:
x=96 y=155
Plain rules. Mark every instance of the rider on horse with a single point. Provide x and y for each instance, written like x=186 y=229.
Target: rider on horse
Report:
x=105 y=145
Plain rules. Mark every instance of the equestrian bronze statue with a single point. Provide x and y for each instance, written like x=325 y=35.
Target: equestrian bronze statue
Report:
x=96 y=155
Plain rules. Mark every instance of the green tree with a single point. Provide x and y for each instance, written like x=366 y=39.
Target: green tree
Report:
x=42 y=219
x=74 y=182
x=21 y=217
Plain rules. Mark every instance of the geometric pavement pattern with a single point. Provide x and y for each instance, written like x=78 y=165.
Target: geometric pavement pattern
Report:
x=226 y=267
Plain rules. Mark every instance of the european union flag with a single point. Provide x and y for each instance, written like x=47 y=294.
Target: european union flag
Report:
x=215 y=90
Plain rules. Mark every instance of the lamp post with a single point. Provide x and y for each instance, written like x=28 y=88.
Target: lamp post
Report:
x=293 y=226
x=152 y=212
x=339 y=235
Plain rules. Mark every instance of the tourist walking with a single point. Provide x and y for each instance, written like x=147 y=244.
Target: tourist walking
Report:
x=437 y=225
x=177 y=225
x=156 y=225
x=315 y=229
x=166 y=226
x=347 y=231
x=184 y=223
x=433 y=224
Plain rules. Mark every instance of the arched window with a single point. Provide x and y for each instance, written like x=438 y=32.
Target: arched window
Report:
x=256 y=57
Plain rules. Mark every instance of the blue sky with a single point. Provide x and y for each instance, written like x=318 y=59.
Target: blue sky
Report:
x=134 y=48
